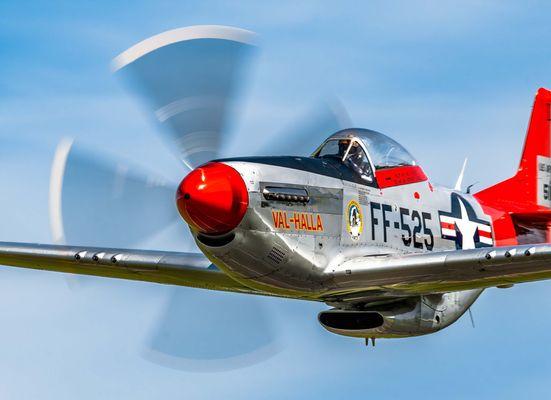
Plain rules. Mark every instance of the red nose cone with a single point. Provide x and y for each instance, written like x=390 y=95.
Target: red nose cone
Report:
x=213 y=198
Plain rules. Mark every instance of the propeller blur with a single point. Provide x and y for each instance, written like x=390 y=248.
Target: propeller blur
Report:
x=189 y=79
x=357 y=224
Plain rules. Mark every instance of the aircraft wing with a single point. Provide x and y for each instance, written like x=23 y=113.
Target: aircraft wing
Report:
x=183 y=269
x=369 y=276
x=438 y=272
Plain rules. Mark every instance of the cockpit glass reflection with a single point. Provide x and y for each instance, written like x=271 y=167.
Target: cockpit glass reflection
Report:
x=384 y=151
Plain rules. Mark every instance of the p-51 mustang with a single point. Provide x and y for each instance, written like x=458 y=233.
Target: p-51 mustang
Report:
x=357 y=225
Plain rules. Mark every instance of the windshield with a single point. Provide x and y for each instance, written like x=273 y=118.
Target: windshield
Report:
x=333 y=148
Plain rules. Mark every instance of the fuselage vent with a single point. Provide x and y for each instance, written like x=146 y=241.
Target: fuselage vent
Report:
x=276 y=256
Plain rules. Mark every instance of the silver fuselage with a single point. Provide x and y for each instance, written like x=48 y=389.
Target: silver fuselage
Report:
x=292 y=248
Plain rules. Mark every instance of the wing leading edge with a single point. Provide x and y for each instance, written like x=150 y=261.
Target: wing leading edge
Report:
x=439 y=272
x=390 y=276
x=172 y=268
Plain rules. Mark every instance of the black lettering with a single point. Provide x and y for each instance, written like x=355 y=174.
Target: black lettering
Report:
x=406 y=238
x=427 y=231
x=374 y=221
x=416 y=229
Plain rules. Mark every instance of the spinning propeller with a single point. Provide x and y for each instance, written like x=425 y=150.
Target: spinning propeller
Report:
x=190 y=79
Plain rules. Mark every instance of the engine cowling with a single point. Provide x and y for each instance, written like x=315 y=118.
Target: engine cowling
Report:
x=410 y=317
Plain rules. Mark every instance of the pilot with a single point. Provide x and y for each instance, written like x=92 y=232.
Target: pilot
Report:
x=343 y=146
x=359 y=162
x=356 y=156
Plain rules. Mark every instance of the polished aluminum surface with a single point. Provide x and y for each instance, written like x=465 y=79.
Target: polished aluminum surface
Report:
x=413 y=317
x=184 y=269
x=354 y=246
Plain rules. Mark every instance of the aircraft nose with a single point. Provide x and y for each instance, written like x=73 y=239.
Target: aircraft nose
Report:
x=212 y=198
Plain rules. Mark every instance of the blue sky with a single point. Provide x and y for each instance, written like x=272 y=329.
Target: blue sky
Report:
x=448 y=80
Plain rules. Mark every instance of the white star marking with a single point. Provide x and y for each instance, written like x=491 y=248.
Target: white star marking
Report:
x=466 y=227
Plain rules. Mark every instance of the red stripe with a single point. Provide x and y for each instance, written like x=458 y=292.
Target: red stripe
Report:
x=447 y=225
x=485 y=234
x=397 y=176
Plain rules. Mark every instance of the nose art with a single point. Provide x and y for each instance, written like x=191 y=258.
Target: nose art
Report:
x=213 y=198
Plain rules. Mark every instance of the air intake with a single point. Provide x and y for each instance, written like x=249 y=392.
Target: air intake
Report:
x=351 y=320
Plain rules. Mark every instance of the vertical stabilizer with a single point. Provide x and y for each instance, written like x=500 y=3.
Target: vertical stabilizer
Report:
x=521 y=206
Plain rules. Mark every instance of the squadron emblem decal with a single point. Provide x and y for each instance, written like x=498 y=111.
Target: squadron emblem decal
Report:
x=354 y=220
x=464 y=227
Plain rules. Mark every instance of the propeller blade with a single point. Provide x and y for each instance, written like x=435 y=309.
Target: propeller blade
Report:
x=301 y=139
x=190 y=77
x=103 y=202
x=200 y=331
x=97 y=201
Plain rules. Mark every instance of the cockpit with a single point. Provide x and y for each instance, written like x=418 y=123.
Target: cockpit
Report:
x=367 y=154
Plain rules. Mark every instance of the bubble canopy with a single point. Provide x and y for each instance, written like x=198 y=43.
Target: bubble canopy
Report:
x=383 y=151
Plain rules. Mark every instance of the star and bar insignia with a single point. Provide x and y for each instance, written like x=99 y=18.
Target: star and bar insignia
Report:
x=463 y=226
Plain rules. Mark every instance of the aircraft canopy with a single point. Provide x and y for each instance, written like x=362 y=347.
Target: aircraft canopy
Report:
x=383 y=151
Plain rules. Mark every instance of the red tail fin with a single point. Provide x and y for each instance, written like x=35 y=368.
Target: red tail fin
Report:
x=521 y=206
